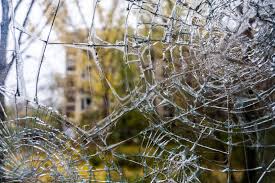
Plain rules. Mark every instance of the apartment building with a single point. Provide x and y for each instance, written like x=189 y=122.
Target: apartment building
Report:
x=77 y=98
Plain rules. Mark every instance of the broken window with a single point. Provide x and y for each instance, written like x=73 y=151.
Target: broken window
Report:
x=85 y=103
x=177 y=91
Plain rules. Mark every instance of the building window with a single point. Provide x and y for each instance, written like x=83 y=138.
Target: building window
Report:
x=70 y=68
x=70 y=108
x=71 y=65
x=71 y=99
x=85 y=74
x=85 y=102
x=70 y=82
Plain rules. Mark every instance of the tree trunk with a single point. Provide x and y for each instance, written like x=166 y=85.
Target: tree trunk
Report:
x=4 y=40
x=3 y=49
x=3 y=65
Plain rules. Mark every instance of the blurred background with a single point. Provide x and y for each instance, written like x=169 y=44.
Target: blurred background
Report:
x=175 y=85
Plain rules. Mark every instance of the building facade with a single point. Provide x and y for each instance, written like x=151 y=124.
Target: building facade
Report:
x=77 y=99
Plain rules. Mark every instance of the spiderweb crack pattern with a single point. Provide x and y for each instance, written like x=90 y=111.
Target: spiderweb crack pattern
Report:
x=204 y=82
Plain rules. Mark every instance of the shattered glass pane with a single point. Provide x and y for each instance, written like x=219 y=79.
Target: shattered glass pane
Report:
x=152 y=91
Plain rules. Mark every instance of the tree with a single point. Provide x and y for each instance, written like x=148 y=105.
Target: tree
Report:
x=4 y=67
x=8 y=13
